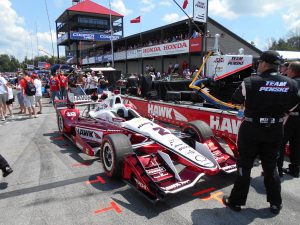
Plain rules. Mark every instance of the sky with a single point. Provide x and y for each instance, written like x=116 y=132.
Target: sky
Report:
x=25 y=28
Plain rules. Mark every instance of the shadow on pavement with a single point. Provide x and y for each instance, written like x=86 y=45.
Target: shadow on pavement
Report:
x=3 y=185
x=141 y=206
x=227 y=216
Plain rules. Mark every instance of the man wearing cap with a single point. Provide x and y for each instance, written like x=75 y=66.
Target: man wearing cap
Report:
x=266 y=97
x=291 y=131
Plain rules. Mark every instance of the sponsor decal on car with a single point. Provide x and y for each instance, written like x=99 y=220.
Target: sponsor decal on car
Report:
x=140 y=184
x=165 y=112
x=89 y=134
x=176 y=185
x=225 y=124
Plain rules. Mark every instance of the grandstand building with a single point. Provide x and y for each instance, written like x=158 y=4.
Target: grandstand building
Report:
x=85 y=31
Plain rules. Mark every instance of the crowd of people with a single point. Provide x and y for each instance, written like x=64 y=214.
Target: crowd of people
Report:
x=30 y=87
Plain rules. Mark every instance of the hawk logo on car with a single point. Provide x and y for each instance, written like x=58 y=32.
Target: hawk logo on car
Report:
x=165 y=112
x=89 y=134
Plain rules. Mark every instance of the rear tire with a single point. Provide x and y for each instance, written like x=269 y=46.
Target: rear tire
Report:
x=114 y=148
x=60 y=123
x=199 y=131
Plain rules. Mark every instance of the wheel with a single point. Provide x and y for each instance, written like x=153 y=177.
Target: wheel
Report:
x=114 y=148
x=60 y=123
x=198 y=130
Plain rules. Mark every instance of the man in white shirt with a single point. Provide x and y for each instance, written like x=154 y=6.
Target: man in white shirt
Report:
x=93 y=84
x=3 y=97
x=38 y=94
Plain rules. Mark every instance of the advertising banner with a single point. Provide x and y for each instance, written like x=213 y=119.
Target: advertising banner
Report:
x=133 y=54
x=200 y=11
x=196 y=44
x=98 y=59
x=62 y=38
x=120 y=55
x=85 y=36
x=219 y=67
x=166 y=49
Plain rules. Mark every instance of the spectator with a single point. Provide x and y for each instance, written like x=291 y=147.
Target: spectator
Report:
x=38 y=94
x=102 y=84
x=29 y=100
x=10 y=99
x=92 y=84
x=54 y=87
x=63 y=81
x=3 y=97
x=20 y=96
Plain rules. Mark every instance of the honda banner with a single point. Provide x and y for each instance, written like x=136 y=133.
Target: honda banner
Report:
x=166 y=49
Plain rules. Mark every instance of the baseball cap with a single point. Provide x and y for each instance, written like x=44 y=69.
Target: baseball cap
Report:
x=271 y=57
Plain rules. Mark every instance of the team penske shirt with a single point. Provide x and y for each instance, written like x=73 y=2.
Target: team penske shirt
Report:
x=54 y=84
x=63 y=81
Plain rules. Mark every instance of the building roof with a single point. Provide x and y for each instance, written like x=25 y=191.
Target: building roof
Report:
x=88 y=6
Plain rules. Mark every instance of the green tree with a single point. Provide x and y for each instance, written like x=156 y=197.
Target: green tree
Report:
x=290 y=44
x=8 y=63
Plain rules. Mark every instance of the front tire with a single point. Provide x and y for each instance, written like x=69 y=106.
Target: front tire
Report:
x=198 y=130
x=114 y=148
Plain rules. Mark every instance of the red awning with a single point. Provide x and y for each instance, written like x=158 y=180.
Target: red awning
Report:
x=92 y=7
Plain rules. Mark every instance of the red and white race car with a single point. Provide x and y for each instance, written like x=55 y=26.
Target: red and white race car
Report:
x=149 y=157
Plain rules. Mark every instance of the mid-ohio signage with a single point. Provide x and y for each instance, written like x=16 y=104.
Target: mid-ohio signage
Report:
x=84 y=36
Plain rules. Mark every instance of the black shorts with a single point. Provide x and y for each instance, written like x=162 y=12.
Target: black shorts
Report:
x=10 y=101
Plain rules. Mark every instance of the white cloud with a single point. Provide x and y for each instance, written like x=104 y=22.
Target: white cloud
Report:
x=15 y=39
x=148 y=6
x=171 y=18
x=119 y=6
x=288 y=10
x=165 y=3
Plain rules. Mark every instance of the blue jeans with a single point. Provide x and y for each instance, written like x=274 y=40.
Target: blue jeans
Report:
x=55 y=94
x=63 y=93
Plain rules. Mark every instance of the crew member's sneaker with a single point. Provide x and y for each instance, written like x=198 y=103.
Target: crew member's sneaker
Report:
x=275 y=209
x=226 y=202
x=7 y=171
x=3 y=118
x=292 y=173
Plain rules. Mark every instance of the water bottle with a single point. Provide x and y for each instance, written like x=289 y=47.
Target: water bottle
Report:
x=240 y=114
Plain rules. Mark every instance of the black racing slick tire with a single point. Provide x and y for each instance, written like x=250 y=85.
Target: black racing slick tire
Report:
x=60 y=123
x=114 y=148
x=198 y=130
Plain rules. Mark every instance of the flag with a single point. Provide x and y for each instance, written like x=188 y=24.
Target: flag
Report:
x=136 y=20
x=185 y=3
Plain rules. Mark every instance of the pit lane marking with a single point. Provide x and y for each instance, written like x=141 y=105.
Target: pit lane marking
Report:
x=99 y=179
x=81 y=164
x=214 y=196
x=204 y=191
x=113 y=206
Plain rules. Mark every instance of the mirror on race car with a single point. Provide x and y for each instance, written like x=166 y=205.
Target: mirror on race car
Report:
x=71 y=97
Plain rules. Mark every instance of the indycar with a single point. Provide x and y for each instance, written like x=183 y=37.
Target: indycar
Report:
x=154 y=160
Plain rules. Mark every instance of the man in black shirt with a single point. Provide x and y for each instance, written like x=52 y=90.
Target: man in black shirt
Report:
x=266 y=97
x=292 y=131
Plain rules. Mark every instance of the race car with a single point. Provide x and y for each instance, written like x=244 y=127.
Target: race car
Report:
x=151 y=158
